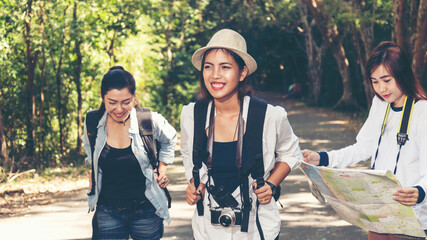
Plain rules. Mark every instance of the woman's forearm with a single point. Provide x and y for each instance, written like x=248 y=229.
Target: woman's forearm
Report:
x=279 y=172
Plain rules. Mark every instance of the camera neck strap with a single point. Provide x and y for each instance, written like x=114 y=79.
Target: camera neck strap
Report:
x=211 y=133
x=402 y=135
x=210 y=141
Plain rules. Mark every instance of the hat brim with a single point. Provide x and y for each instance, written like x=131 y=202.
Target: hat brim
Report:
x=248 y=59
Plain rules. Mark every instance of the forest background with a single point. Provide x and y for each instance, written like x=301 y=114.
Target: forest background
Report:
x=54 y=53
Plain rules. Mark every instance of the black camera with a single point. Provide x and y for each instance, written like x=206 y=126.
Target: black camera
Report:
x=222 y=197
x=227 y=213
x=227 y=217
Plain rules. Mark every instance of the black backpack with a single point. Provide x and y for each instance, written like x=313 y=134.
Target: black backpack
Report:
x=254 y=165
x=145 y=124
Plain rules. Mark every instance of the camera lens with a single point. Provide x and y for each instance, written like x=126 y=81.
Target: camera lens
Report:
x=227 y=218
x=225 y=221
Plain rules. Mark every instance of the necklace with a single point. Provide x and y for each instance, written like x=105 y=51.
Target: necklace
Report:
x=120 y=122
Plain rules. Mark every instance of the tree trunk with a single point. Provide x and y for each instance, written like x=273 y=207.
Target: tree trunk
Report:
x=401 y=24
x=57 y=67
x=3 y=145
x=362 y=60
x=31 y=60
x=77 y=75
x=347 y=99
x=367 y=44
x=329 y=31
x=314 y=55
x=58 y=79
x=42 y=79
x=364 y=29
x=419 y=60
x=166 y=81
x=58 y=100
x=413 y=14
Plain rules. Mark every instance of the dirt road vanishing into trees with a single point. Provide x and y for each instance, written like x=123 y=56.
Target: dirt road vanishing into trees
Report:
x=303 y=217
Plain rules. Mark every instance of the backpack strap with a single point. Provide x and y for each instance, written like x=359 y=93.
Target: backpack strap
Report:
x=92 y=119
x=200 y=152
x=253 y=148
x=254 y=164
x=146 y=132
x=253 y=138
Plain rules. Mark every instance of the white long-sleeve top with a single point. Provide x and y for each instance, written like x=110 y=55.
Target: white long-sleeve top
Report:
x=278 y=138
x=412 y=165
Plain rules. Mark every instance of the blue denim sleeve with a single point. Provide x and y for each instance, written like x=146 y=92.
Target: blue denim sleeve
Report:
x=167 y=137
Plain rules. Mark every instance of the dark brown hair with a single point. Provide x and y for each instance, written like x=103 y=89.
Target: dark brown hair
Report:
x=396 y=62
x=116 y=78
x=242 y=84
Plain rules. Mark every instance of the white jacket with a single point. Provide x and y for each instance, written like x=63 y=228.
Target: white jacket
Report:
x=278 y=138
x=412 y=166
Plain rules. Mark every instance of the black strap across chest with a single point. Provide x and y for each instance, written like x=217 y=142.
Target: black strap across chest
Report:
x=252 y=145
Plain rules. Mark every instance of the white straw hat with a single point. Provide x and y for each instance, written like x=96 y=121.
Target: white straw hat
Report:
x=230 y=40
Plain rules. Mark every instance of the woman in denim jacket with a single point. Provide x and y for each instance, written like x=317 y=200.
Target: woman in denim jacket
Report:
x=127 y=192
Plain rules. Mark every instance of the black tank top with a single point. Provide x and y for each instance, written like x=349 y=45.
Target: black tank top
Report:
x=224 y=169
x=122 y=178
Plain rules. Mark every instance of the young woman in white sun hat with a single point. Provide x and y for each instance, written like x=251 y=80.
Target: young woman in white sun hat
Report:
x=236 y=149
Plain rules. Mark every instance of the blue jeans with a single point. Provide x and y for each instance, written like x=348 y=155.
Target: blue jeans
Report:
x=139 y=224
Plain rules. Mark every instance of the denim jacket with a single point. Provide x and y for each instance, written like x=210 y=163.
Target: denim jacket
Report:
x=166 y=136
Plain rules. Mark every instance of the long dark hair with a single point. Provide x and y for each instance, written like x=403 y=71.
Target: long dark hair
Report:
x=396 y=62
x=116 y=78
x=243 y=91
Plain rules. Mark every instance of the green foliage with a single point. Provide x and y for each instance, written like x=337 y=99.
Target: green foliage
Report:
x=154 y=40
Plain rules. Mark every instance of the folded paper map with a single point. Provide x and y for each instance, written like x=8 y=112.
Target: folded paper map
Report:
x=363 y=198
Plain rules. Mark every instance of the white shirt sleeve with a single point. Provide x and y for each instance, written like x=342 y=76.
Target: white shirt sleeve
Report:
x=366 y=140
x=187 y=135
x=420 y=140
x=287 y=145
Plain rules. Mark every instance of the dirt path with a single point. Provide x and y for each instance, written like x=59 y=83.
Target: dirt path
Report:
x=303 y=217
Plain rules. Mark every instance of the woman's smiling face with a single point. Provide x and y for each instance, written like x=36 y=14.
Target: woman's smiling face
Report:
x=386 y=86
x=222 y=75
x=119 y=103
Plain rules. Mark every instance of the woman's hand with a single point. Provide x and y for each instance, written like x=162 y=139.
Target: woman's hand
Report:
x=193 y=195
x=311 y=157
x=161 y=179
x=407 y=196
x=160 y=174
x=263 y=194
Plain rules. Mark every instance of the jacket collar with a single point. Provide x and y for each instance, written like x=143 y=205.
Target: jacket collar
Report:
x=133 y=127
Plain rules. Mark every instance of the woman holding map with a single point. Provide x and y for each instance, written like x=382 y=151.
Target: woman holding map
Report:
x=399 y=107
